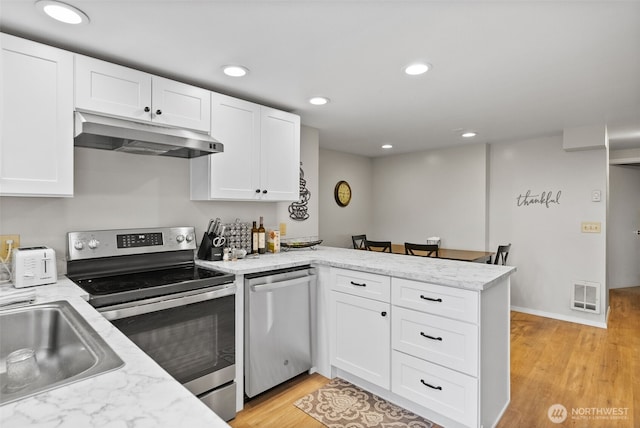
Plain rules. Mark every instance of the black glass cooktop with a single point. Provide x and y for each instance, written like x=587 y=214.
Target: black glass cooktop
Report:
x=113 y=289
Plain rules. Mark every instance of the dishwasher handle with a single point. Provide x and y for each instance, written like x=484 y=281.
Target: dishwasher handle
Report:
x=282 y=284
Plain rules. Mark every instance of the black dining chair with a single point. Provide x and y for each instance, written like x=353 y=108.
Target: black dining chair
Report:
x=502 y=254
x=381 y=246
x=358 y=241
x=429 y=249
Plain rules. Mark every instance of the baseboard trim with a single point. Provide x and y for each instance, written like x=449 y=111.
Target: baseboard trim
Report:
x=559 y=317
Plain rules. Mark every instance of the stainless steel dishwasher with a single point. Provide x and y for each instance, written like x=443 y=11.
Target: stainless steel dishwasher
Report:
x=277 y=341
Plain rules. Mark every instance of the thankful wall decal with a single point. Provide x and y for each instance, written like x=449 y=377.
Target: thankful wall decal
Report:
x=546 y=198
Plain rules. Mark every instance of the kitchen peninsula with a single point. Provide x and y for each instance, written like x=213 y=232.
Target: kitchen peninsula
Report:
x=475 y=315
x=464 y=305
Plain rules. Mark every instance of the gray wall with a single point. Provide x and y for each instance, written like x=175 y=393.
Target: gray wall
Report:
x=548 y=247
x=468 y=196
x=117 y=190
x=439 y=193
x=337 y=224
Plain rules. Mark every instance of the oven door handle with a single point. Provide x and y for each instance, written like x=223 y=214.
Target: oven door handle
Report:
x=140 y=307
x=282 y=284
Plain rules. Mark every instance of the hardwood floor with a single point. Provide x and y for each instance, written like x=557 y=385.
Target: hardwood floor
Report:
x=552 y=362
x=580 y=367
x=275 y=408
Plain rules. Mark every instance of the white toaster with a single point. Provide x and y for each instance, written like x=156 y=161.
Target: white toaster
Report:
x=33 y=266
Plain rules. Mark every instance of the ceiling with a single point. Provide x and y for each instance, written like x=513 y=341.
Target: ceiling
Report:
x=508 y=70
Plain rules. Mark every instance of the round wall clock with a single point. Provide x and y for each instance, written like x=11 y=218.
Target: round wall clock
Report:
x=342 y=193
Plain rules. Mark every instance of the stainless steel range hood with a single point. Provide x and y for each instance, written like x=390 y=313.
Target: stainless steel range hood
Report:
x=108 y=133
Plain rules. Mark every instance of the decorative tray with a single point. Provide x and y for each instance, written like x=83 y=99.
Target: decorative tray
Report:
x=300 y=244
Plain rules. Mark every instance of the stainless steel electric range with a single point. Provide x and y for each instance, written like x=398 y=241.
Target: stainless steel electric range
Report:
x=146 y=282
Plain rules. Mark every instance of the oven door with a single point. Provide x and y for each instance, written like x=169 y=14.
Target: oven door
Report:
x=191 y=335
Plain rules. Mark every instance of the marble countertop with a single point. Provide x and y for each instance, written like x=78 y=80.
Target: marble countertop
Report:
x=459 y=274
x=139 y=394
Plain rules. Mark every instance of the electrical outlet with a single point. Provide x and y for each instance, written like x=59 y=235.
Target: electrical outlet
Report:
x=4 y=247
x=283 y=229
x=590 y=227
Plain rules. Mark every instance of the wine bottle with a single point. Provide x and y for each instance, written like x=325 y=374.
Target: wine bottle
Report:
x=254 y=238
x=262 y=247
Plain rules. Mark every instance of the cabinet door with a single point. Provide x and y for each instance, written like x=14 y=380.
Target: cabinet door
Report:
x=235 y=173
x=112 y=89
x=36 y=149
x=280 y=155
x=180 y=105
x=360 y=337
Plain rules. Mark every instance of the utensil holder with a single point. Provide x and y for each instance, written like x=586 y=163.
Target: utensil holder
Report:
x=207 y=250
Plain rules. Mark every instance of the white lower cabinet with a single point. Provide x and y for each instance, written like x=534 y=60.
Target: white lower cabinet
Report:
x=361 y=334
x=360 y=325
x=443 y=352
x=447 y=391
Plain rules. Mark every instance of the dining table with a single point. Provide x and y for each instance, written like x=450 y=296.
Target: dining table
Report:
x=451 y=254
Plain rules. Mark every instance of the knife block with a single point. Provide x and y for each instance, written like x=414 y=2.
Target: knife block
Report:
x=207 y=251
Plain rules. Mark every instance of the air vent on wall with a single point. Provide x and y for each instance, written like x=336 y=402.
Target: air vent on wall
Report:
x=586 y=296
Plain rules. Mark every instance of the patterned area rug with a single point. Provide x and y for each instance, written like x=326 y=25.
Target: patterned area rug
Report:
x=340 y=404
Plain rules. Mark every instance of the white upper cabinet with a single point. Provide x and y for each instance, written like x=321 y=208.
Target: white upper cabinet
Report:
x=261 y=158
x=36 y=146
x=279 y=155
x=124 y=92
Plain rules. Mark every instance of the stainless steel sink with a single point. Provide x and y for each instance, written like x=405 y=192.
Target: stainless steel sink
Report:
x=66 y=348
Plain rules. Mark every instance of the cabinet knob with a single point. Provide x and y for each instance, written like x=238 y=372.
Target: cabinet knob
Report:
x=158 y=112
x=264 y=191
x=383 y=313
x=147 y=109
x=257 y=190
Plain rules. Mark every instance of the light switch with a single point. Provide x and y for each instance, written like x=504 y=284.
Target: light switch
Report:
x=595 y=196
x=283 y=229
x=590 y=227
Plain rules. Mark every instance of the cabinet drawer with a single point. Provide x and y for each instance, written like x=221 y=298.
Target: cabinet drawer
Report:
x=447 y=342
x=448 y=392
x=435 y=299
x=363 y=284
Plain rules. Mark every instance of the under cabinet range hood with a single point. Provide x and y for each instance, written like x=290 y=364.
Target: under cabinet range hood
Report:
x=109 y=133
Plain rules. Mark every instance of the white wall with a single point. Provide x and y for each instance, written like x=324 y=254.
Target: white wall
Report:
x=432 y=193
x=338 y=224
x=623 y=245
x=118 y=190
x=547 y=244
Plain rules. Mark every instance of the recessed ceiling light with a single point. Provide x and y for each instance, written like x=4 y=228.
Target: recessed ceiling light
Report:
x=387 y=146
x=63 y=12
x=417 y=69
x=319 y=101
x=235 y=70
x=469 y=134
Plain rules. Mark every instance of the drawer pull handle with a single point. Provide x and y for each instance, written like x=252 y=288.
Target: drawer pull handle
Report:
x=430 y=337
x=358 y=285
x=430 y=386
x=431 y=299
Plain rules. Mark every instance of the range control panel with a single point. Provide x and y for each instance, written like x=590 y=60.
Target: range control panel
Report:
x=139 y=240
x=118 y=242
